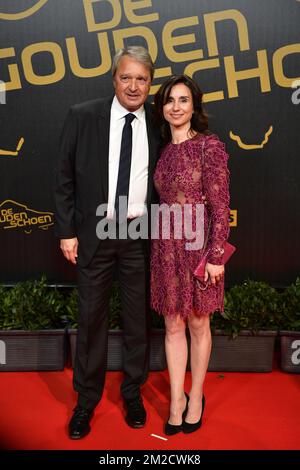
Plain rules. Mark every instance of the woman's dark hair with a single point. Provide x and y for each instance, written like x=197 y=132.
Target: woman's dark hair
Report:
x=199 y=122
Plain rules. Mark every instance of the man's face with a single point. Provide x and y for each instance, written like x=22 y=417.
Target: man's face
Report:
x=132 y=83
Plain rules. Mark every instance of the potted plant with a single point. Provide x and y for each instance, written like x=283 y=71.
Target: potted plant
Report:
x=115 y=333
x=244 y=336
x=31 y=333
x=290 y=328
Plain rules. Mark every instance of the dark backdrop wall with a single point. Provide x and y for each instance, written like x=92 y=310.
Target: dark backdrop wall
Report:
x=245 y=55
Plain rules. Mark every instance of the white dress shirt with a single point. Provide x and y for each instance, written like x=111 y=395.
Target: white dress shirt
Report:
x=139 y=160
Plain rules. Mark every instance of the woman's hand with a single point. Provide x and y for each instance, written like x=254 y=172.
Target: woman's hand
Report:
x=214 y=272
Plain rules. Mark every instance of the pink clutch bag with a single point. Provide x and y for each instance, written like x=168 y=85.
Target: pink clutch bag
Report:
x=200 y=270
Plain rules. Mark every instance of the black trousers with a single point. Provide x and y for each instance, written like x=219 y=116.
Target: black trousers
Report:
x=94 y=283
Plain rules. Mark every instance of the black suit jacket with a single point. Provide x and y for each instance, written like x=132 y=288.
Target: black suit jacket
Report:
x=81 y=176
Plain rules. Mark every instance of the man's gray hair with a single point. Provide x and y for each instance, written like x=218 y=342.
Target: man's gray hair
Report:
x=138 y=53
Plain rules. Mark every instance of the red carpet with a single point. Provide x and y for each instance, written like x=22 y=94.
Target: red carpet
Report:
x=243 y=411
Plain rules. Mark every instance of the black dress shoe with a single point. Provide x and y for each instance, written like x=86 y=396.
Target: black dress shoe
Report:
x=79 y=425
x=171 y=429
x=136 y=413
x=192 y=427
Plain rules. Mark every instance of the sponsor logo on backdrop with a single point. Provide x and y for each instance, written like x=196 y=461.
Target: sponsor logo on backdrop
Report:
x=23 y=12
x=17 y=216
x=12 y=153
x=251 y=146
x=105 y=25
x=233 y=217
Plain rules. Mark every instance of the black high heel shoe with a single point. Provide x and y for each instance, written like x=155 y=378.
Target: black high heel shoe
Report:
x=171 y=429
x=187 y=428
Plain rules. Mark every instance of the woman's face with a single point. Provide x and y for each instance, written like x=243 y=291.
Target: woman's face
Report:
x=179 y=108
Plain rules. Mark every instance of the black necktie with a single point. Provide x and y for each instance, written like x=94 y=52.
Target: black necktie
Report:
x=124 y=166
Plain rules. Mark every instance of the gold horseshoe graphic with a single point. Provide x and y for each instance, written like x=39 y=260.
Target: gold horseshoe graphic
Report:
x=23 y=14
x=16 y=152
x=251 y=146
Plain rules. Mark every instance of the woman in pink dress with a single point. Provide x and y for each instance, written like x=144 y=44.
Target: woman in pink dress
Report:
x=193 y=164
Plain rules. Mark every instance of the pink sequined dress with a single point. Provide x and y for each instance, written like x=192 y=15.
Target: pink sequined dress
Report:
x=178 y=179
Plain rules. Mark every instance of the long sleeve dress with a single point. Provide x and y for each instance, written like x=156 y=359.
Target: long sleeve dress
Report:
x=184 y=173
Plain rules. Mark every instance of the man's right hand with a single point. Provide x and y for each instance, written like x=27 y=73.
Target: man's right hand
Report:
x=69 y=247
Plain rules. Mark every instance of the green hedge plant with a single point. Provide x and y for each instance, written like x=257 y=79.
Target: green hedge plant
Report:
x=30 y=305
x=290 y=307
x=253 y=305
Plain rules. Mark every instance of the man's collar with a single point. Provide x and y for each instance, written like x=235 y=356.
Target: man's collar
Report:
x=119 y=111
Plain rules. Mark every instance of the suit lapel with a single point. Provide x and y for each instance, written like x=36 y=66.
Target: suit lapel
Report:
x=103 y=134
x=153 y=142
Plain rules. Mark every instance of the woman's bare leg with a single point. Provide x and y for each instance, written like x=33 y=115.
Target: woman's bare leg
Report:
x=176 y=352
x=200 y=352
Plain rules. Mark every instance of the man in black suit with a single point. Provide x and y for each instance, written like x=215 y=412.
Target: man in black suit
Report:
x=103 y=141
